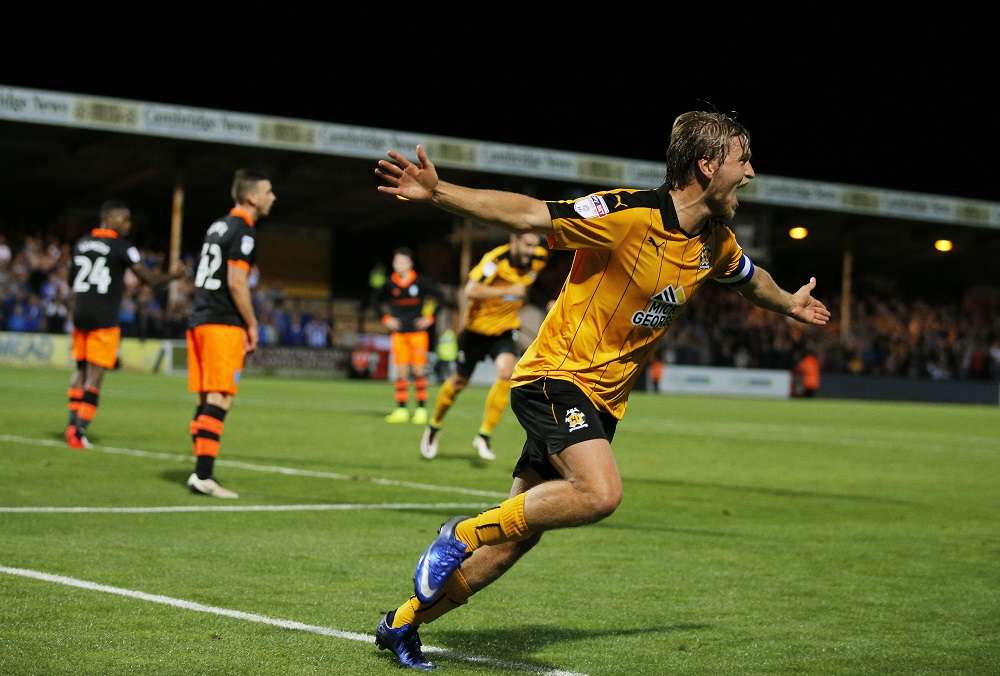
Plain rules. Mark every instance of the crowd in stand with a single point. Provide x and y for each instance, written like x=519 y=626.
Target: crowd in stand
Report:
x=890 y=335
x=35 y=297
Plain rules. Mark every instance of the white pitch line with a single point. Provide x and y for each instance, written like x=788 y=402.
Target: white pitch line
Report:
x=330 y=507
x=269 y=469
x=263 y=619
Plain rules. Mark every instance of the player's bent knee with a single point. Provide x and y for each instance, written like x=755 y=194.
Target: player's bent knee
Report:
x=603 y=503
x=220 y=399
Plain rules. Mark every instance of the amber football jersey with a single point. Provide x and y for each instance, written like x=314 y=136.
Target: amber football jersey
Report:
x=633 y=273
x=493 y=316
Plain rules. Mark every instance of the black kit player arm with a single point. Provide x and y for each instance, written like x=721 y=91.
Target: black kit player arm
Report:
x=239 y=288
x=381 y=301
x=239 y=259
x=71 y=275
x=155 y=277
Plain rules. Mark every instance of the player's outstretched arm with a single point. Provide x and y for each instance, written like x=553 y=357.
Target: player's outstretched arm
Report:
x=801 y=306
x=477 y=291
x=419 y=182
x=155 y=278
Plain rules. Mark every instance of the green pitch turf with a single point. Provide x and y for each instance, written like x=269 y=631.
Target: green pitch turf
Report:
x=755 y=537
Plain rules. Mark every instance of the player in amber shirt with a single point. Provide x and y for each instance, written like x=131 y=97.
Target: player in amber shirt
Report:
x=641 y=256
x=496 y=290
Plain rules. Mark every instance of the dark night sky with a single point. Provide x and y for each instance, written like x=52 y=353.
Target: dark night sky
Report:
x=898 y=101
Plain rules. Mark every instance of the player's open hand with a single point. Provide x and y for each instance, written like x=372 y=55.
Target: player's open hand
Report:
x=807 y=309
x=408 y=180
x=250 y=339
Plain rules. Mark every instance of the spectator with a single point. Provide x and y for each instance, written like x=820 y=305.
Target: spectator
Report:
x=317 y=333
x=17 y=320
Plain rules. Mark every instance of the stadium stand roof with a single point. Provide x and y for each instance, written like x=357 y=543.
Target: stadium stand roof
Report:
x=65 y=153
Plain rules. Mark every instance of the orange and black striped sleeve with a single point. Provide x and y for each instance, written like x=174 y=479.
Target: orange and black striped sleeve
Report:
x=242 y=249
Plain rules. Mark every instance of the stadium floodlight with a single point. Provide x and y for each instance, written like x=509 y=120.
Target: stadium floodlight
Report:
x=798 y=232
x=943 y=245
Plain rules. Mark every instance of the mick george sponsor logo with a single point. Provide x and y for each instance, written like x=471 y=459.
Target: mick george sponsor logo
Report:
x=662 y=308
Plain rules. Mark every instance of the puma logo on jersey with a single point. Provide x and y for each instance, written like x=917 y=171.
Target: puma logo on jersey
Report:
x=618 y=201
x=655 y=245
x=218 y=228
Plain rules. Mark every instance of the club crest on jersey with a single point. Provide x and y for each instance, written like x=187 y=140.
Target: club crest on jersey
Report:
x=592 y=206
x=706 y=258
x=414 y=290
x=662 y=308
x=246 y=245
x=576 y=419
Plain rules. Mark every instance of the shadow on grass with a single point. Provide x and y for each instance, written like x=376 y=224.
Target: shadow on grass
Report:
x=58 y=436
x=763 y=490
x=670 y=529
x=317 y=464
x=380 y=414
x=179 y=477
x=516 y=644
x=473 y=460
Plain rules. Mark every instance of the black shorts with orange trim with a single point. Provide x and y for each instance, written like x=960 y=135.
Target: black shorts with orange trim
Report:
x=555 y=414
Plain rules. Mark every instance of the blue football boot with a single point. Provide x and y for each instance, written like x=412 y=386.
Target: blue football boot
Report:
x=404 y=642
x=439 y=561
